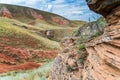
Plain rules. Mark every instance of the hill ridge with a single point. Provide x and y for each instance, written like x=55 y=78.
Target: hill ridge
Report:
x=27 y=14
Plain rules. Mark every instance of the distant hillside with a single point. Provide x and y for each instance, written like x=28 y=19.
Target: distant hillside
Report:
x=29 y=37
x=29 y=15
x=42 y=22
x=78 y=22
x=17 y=34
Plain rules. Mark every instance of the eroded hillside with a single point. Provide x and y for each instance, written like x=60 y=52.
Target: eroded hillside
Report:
x=29 y=15
x=29 y=37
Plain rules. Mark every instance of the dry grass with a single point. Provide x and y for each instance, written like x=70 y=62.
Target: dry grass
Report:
x=12 y=31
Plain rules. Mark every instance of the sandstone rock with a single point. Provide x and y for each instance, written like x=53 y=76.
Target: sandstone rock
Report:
x=66 y=65
x=72 y=62
x=103 y=60
x=110 y=9
x=62 y=71
x=103 y=7
x=114 y=16
x=50 y=34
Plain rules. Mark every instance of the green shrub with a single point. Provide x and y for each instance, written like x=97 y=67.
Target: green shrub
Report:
x=82 y=47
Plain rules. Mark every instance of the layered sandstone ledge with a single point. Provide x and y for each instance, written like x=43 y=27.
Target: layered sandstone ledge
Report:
x=110 y=9
x=103 y=61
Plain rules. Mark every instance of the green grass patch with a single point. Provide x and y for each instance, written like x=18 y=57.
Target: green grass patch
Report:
x=24 y=36
x=82 y=46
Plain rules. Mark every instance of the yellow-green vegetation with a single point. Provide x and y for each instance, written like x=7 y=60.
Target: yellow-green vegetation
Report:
x=7 y=29
x=86 y=32
x=46 y=26
x=78 y=23
x=92 y=29
x=41 y=25
x=82 y=46
x=41 y=73
x=61 y=33
x=27 y=15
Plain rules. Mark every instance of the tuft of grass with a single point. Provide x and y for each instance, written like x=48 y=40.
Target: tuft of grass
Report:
x=78 y=22
x=82 y=47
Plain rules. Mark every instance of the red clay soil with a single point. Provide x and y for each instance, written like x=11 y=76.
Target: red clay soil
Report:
x=59 y=20
x=24 y=66
x=22 y=59
x=4 y=12
x=19 y=41
x=4 y=58
x=37 y=15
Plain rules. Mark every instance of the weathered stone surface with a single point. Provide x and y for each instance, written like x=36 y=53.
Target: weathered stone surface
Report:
x=114 y=16
x=62 y=71
x=50 y=34
x=67 y=65
x=103 y=62
x=103 y=7
x=110 y=9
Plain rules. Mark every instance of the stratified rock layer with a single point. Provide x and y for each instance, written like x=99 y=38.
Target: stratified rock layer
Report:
x=103 y=61
x=114 y=17
x=103 y=7
x=110 y=9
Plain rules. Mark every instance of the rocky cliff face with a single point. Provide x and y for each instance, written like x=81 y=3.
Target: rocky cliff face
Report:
x=103 y=59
